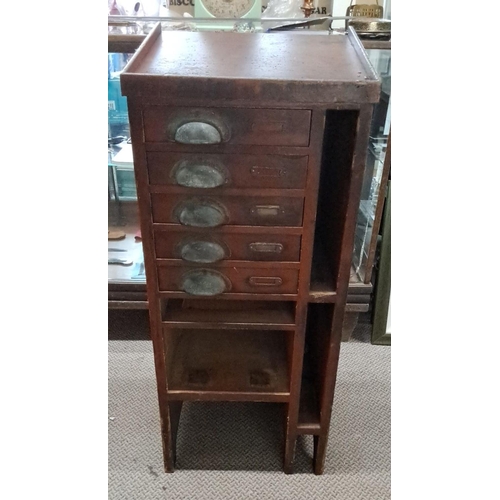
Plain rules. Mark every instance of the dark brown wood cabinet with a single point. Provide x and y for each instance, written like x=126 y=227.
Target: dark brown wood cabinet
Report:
x=249 y=157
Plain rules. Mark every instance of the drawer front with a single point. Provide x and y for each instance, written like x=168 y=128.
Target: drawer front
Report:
x=195 y=126
x=207 y=171
x=197 y=211
x=212 y=247
x=205 y=282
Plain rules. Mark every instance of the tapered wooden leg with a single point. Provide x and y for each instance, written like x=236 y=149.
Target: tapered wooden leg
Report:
x=320 y=444
x=289 y=453
x=170 y=414
x=296 y=358
x=166 y=439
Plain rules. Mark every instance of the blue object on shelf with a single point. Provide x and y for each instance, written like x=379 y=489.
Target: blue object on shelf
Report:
x=117 y=104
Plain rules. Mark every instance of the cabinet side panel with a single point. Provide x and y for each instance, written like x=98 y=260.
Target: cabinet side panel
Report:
x=144 y=201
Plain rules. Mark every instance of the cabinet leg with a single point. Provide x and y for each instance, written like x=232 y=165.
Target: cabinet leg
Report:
x=166 y=440
x=289 y=454
x=168 y=452
x=170 y=415
x=320 y=444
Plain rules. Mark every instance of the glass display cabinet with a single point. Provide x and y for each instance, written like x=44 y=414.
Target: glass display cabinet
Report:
x=377 y=168
x=375 y=179
x=126 y=278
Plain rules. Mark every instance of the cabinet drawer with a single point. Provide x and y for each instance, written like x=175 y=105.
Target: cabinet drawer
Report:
x=206 y=282
x=207 y=171
x=264 y=127
x=208 y=247
x=214 y=211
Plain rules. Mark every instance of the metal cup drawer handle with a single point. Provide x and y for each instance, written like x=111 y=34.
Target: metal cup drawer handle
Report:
x=199 y=173
x=263 y=247
x=198 y=133
x=201 y=213
x=265 y=281
x=202 y=252
x=198 y=126
x=205 y=282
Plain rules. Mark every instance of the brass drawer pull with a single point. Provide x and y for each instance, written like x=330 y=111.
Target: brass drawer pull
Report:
x=267 y=210
x=198 y=212
x=199 y=173
x=205 y=282
x=198 y=133
x=267 y=171
x=197 y=126
x=202 y=252
x=266 y=247
x=265 y=281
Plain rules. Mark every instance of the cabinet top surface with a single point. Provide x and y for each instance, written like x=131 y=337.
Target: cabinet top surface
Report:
x=269 y=56
x=270 y=59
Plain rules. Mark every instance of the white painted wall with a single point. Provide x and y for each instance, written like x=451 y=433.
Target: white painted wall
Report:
x=339 y=9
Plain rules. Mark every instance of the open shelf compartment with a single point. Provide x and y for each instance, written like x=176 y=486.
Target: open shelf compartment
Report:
x=333 y=203
x=309 y=409
x=317 y=341
x=227 y=365
x=228 y=314
x=309 y=416
x=322 y=287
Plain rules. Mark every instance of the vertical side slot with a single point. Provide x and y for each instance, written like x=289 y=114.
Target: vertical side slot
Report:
x=335 y=179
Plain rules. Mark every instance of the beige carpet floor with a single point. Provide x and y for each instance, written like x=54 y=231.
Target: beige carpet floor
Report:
x=234 y=450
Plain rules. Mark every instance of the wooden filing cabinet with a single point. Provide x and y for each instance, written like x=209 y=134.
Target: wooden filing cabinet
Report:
x=249 y=152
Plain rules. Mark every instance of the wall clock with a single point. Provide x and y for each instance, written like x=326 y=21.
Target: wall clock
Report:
x=227 y=8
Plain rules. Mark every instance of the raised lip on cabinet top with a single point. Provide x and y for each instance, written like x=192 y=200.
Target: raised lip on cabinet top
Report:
x=264 y=69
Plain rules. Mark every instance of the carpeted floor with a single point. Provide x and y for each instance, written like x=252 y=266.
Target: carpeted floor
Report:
x=234 y=450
